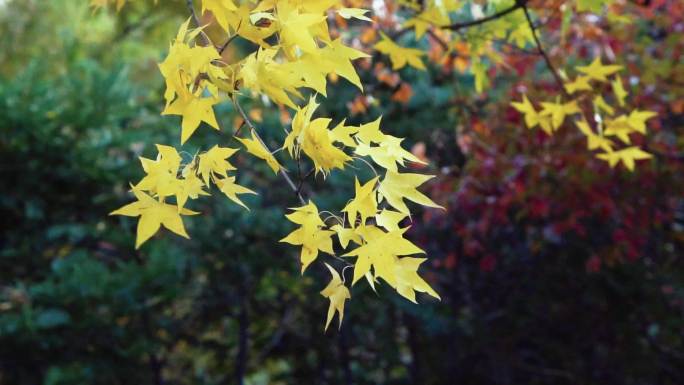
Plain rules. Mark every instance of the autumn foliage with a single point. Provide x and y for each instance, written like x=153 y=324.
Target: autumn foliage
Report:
x=295 y=53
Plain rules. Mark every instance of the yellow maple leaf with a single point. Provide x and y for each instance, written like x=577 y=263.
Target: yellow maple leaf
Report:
x=315 y=139
x=337 y=293
x=364 y=204
x=527 y=109
x=594 y=141
x=379 y=252
x=161 y=174
x=619 y=91
x=232 y=189
x=190 y=186
x=389 y=219
x=242 y=23
x=423 y=21
x=295 y=27
x=597 y=71
x=407 y=281
x=637 y=120
x=262 y=73
x=153 y=214
x=601 y=105
x=627 y=156
x=214 y=162
x=346 y=234
x=162 y=180
x=400 y=56
x=300 y=121
x=388 y=154
x=186 y=67
x=310 y=235
x=619 y=127
x=317 y=144
x=581 y=83
x=222 y=11
x=396 y=187
x=370 y=132
x=257 y=148
x=336 y=58
x=194 y=110
x=356 y=13
x=313 y=70
x=558 y=111
x=624 y=125
x=343 y=134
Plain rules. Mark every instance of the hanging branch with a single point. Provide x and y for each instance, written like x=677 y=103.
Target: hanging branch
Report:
x=543 y=53
x=283 y=173
x=238 y=107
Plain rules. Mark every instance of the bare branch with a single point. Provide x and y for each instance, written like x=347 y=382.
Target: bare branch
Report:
x=543 y=53
x=498 y=15
x=439 y=40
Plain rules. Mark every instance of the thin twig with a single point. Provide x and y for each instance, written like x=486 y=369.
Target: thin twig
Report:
x=308 y=174
x=283 y=173
x=230 y=39
x=227 y=43
x=367 y=164
x=301 y=177
x=191 y=8
x=543 y=53
x=472 y=23
x=439 y=40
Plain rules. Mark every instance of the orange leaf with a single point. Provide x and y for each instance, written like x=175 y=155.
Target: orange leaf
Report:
x=403 y=94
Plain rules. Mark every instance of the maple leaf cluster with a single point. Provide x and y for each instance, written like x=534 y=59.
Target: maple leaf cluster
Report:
x=294 y=56
x=294 y=52
x=607 y=123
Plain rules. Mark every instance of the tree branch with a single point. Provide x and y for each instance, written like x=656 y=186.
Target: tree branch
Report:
x=457 y=26
x=207 y=41
x=227 y=43
x=439 y=40
x=543 y=53
x=284 y=174
x=191 y=8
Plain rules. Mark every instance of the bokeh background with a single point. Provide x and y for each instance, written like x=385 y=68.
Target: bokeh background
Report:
x=552 y=267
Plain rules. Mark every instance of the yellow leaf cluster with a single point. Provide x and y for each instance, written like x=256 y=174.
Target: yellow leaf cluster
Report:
x=607 y=123
x=315 y=139
x=310 y=234
x=400 y=56
x=337 y=293
x=166 y=177
x=188 y=70
x=293 y=51
x=382 y=252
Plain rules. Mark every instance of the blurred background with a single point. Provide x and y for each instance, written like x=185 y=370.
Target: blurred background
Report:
x=552 y=267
